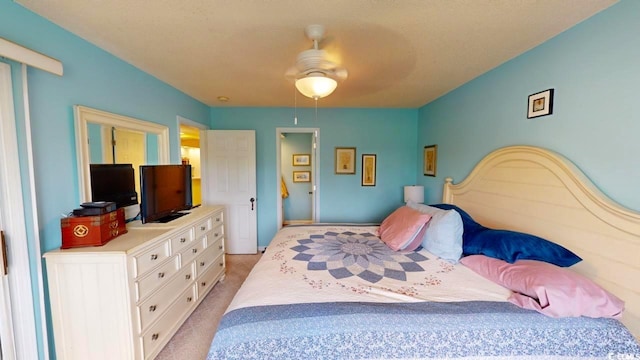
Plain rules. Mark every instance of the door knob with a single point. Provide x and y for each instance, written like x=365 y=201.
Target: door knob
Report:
x=252 y=201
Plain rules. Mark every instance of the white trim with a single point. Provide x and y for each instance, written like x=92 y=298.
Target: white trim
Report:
x=315 y=168
x=22 y=307
x=34 y=207
x=85 y=114
x=29 y=57
x=184 y=121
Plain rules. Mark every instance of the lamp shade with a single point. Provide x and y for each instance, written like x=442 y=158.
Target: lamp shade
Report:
x=316 y=85
x=414 y=193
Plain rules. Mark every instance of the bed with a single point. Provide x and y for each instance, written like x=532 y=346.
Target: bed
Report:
x=336 y=291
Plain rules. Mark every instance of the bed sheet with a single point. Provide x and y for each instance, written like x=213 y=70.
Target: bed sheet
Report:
x=327 y=263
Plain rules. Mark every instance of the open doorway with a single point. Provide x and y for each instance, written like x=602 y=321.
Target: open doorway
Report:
x=298 y=180
x=190 y=154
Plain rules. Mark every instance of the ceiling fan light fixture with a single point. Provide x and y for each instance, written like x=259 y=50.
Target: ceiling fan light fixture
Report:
x=316 y=85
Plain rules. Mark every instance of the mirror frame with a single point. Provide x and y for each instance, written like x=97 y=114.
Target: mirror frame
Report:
x=84 y=115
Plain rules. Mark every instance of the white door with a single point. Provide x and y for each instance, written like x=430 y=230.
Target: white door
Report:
x=130 y=148
x=7 y=146
x=228 y=160
x=7 y=348
x=17 y=322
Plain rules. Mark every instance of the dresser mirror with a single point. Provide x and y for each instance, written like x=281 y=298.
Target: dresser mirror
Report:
x=140 y=142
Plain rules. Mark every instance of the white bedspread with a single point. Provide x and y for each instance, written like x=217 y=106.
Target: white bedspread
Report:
x=353 y=265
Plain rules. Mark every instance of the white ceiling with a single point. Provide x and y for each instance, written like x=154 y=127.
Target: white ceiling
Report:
x=399 y=53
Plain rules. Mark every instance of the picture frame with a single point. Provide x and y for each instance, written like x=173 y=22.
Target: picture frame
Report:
x=301 y=176
x=368 y=170
x=430 y=160
x=301 y=160
x=540 y=104
x=345 y=161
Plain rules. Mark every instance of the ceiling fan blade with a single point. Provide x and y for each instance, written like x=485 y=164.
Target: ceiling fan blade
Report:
x=291 y=73
x=341 y=73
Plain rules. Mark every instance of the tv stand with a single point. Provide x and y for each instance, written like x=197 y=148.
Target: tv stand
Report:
x=171 y=217
x=127 y=298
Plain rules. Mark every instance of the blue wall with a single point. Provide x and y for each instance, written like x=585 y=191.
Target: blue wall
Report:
x=594 y=70
x=389 y=133
x=94 y=78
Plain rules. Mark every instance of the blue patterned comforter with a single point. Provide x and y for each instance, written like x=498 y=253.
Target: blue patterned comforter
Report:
x=423 y=330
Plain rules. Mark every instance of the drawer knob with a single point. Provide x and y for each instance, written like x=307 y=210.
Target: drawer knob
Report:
x=160 y=275
x=201 y=263
x=154 y=256
x=182 y=240
x=152 y=308
x=220 y=247
x=203 y=283
x=216 y=234
x=221 y=264
x=194 y=250
x=189 y=299
x=203 y=228
x=155 y=336
x=188 y=276
x=217 y=219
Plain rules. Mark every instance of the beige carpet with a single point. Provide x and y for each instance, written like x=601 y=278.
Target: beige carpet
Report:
x=193 y=339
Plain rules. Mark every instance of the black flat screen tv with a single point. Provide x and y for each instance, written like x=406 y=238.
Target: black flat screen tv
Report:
x=165 y=191
x=113 y=182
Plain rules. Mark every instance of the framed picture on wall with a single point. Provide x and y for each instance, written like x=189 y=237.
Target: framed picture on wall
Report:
x=301 y=160
x=302 y=176
x=345 y=160
x=430 y=160
x=368 y=170
x=540 y=104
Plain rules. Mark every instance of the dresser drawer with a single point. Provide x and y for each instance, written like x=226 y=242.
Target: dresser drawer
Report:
x=159 y=331
x=217 y=233
x=159 y=302
x=197 y=248
x=146 y=285
x=181 y=240
x=209 y=277
x=218 y=218
x=150 y=258
x=203 y=227
x=208 y=258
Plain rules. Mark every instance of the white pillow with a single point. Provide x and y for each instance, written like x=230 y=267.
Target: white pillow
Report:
x=443 y=237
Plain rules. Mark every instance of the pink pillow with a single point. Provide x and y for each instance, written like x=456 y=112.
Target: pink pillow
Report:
x=401 y=228
x=547 y=288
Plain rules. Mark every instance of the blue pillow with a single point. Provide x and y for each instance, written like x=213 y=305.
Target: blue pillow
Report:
x=509 y=245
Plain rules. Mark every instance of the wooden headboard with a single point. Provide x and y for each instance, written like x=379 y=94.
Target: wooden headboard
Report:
x=540 y=192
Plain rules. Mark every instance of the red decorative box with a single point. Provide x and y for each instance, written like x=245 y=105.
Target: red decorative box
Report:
x=78 y=231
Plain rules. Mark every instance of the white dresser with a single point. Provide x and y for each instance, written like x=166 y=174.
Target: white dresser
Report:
x=126 y=299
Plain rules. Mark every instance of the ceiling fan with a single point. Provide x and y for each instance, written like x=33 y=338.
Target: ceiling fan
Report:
x=315 y=75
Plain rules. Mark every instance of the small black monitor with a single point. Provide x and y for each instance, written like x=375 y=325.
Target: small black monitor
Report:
x=113 y=182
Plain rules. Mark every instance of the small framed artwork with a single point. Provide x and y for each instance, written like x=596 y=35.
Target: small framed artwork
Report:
x=430 y=160
x=301 y=160
x=345 y=160
x=368 y=170
x=302 y=176
x=540 y=104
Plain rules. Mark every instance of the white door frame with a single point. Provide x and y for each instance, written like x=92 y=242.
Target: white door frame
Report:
x=315 y=171
x=19 y=279
x=188 y=122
